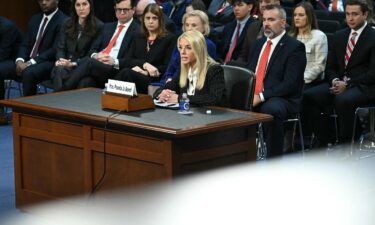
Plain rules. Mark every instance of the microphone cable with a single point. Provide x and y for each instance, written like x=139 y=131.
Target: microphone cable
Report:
x=100 y=181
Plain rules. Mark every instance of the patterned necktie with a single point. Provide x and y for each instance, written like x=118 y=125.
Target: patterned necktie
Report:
x=262 y=66
x=233 y=46
x=334 y=5
x=108 y=49
x=349 y=48
x=35 y=50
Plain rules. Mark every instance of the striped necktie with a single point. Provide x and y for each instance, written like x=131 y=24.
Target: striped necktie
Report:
x=350 y=48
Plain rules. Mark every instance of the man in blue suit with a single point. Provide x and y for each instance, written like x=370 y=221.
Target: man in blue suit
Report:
x=234 y=33
x=36 y=56
x=10 y=38
x=107 y=56
x=279 y=62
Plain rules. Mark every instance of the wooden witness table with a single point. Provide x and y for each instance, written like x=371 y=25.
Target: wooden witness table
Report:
x=59 y=145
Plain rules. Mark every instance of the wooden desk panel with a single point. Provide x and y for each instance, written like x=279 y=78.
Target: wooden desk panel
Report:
x=58 y=155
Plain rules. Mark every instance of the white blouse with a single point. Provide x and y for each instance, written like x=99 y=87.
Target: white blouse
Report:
x=193 y=78
x=316 y=53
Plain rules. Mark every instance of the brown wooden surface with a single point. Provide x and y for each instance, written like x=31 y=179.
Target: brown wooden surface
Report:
x=126 y=103
x=19 y=11
x=55 y=157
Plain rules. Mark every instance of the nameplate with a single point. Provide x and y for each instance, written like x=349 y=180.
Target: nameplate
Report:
x=121 y=87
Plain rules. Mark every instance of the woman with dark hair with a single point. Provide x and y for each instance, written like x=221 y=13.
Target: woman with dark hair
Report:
x=305 y=29
x=150 y=52
x=76 y=37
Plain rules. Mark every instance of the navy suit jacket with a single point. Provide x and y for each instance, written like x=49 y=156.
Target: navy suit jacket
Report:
x=10 y=38
x=108 y=30
x=47 y=51
x=361 y=65
x=284 y=75
x=227 y=34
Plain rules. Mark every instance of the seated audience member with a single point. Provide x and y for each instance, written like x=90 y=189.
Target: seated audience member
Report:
x=233 y=34
x=149 y=54
x=254 y=31
x=350 y=75
x=108 y=51
x=196 y=5
x=10 y=38
x=36 y=55
x=175 y=10
x=305 y=29
x=200 y=77
x=279 y=62
x=220 y=12
x=194 y=20
x=76 y=37
x=139 y=9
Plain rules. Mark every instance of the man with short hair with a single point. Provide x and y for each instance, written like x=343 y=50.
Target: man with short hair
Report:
x=233 y=34
x=279 y=62
x=36 y=55
x=255 y=30
x=109 y=50
x=350 y=75
x=10 y=38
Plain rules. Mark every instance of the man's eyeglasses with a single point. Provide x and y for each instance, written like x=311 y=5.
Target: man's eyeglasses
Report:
x=124 y=10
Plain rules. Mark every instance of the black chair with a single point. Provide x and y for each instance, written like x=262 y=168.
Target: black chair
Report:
x=322 y=14
x=366 y=140
x=328 y=26
x=240 y=86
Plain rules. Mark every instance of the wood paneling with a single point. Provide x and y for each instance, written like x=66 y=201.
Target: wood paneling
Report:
x=19 y=11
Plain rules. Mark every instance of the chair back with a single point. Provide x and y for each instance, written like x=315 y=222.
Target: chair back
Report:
x=240 y=86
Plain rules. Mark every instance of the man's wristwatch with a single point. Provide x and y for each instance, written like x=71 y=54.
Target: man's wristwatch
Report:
x=29 y=63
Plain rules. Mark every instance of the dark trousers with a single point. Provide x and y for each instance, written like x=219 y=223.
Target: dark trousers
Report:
x=141 y=81
x=316 y=100
x=35 y=74
x=280 y=109
x=7 y=71
x=89 y=67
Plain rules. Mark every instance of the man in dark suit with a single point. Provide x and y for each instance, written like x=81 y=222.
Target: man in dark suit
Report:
x=10 y=38
x=279 y=62
x=36 y=55
x=220 y=12
x=350 y=75
x=107 y=55
x=233 y=34
x=175 y=10
x=255 y=30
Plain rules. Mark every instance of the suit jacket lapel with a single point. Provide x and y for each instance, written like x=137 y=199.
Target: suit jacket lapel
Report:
x=127 y=38
x=276 y=51
x=360 y=44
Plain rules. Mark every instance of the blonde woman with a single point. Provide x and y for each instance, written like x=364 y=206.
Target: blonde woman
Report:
x=200 y=77
x=193 y=20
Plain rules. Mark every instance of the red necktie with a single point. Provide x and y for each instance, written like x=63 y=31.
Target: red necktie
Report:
x=108 y=49
x=35 y=50
x=334 y=5
x=233 y=46
x=262 y=67
x=349 y=48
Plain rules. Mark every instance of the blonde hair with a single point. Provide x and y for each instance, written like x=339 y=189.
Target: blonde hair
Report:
x=203 y=60
x=203 y=18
